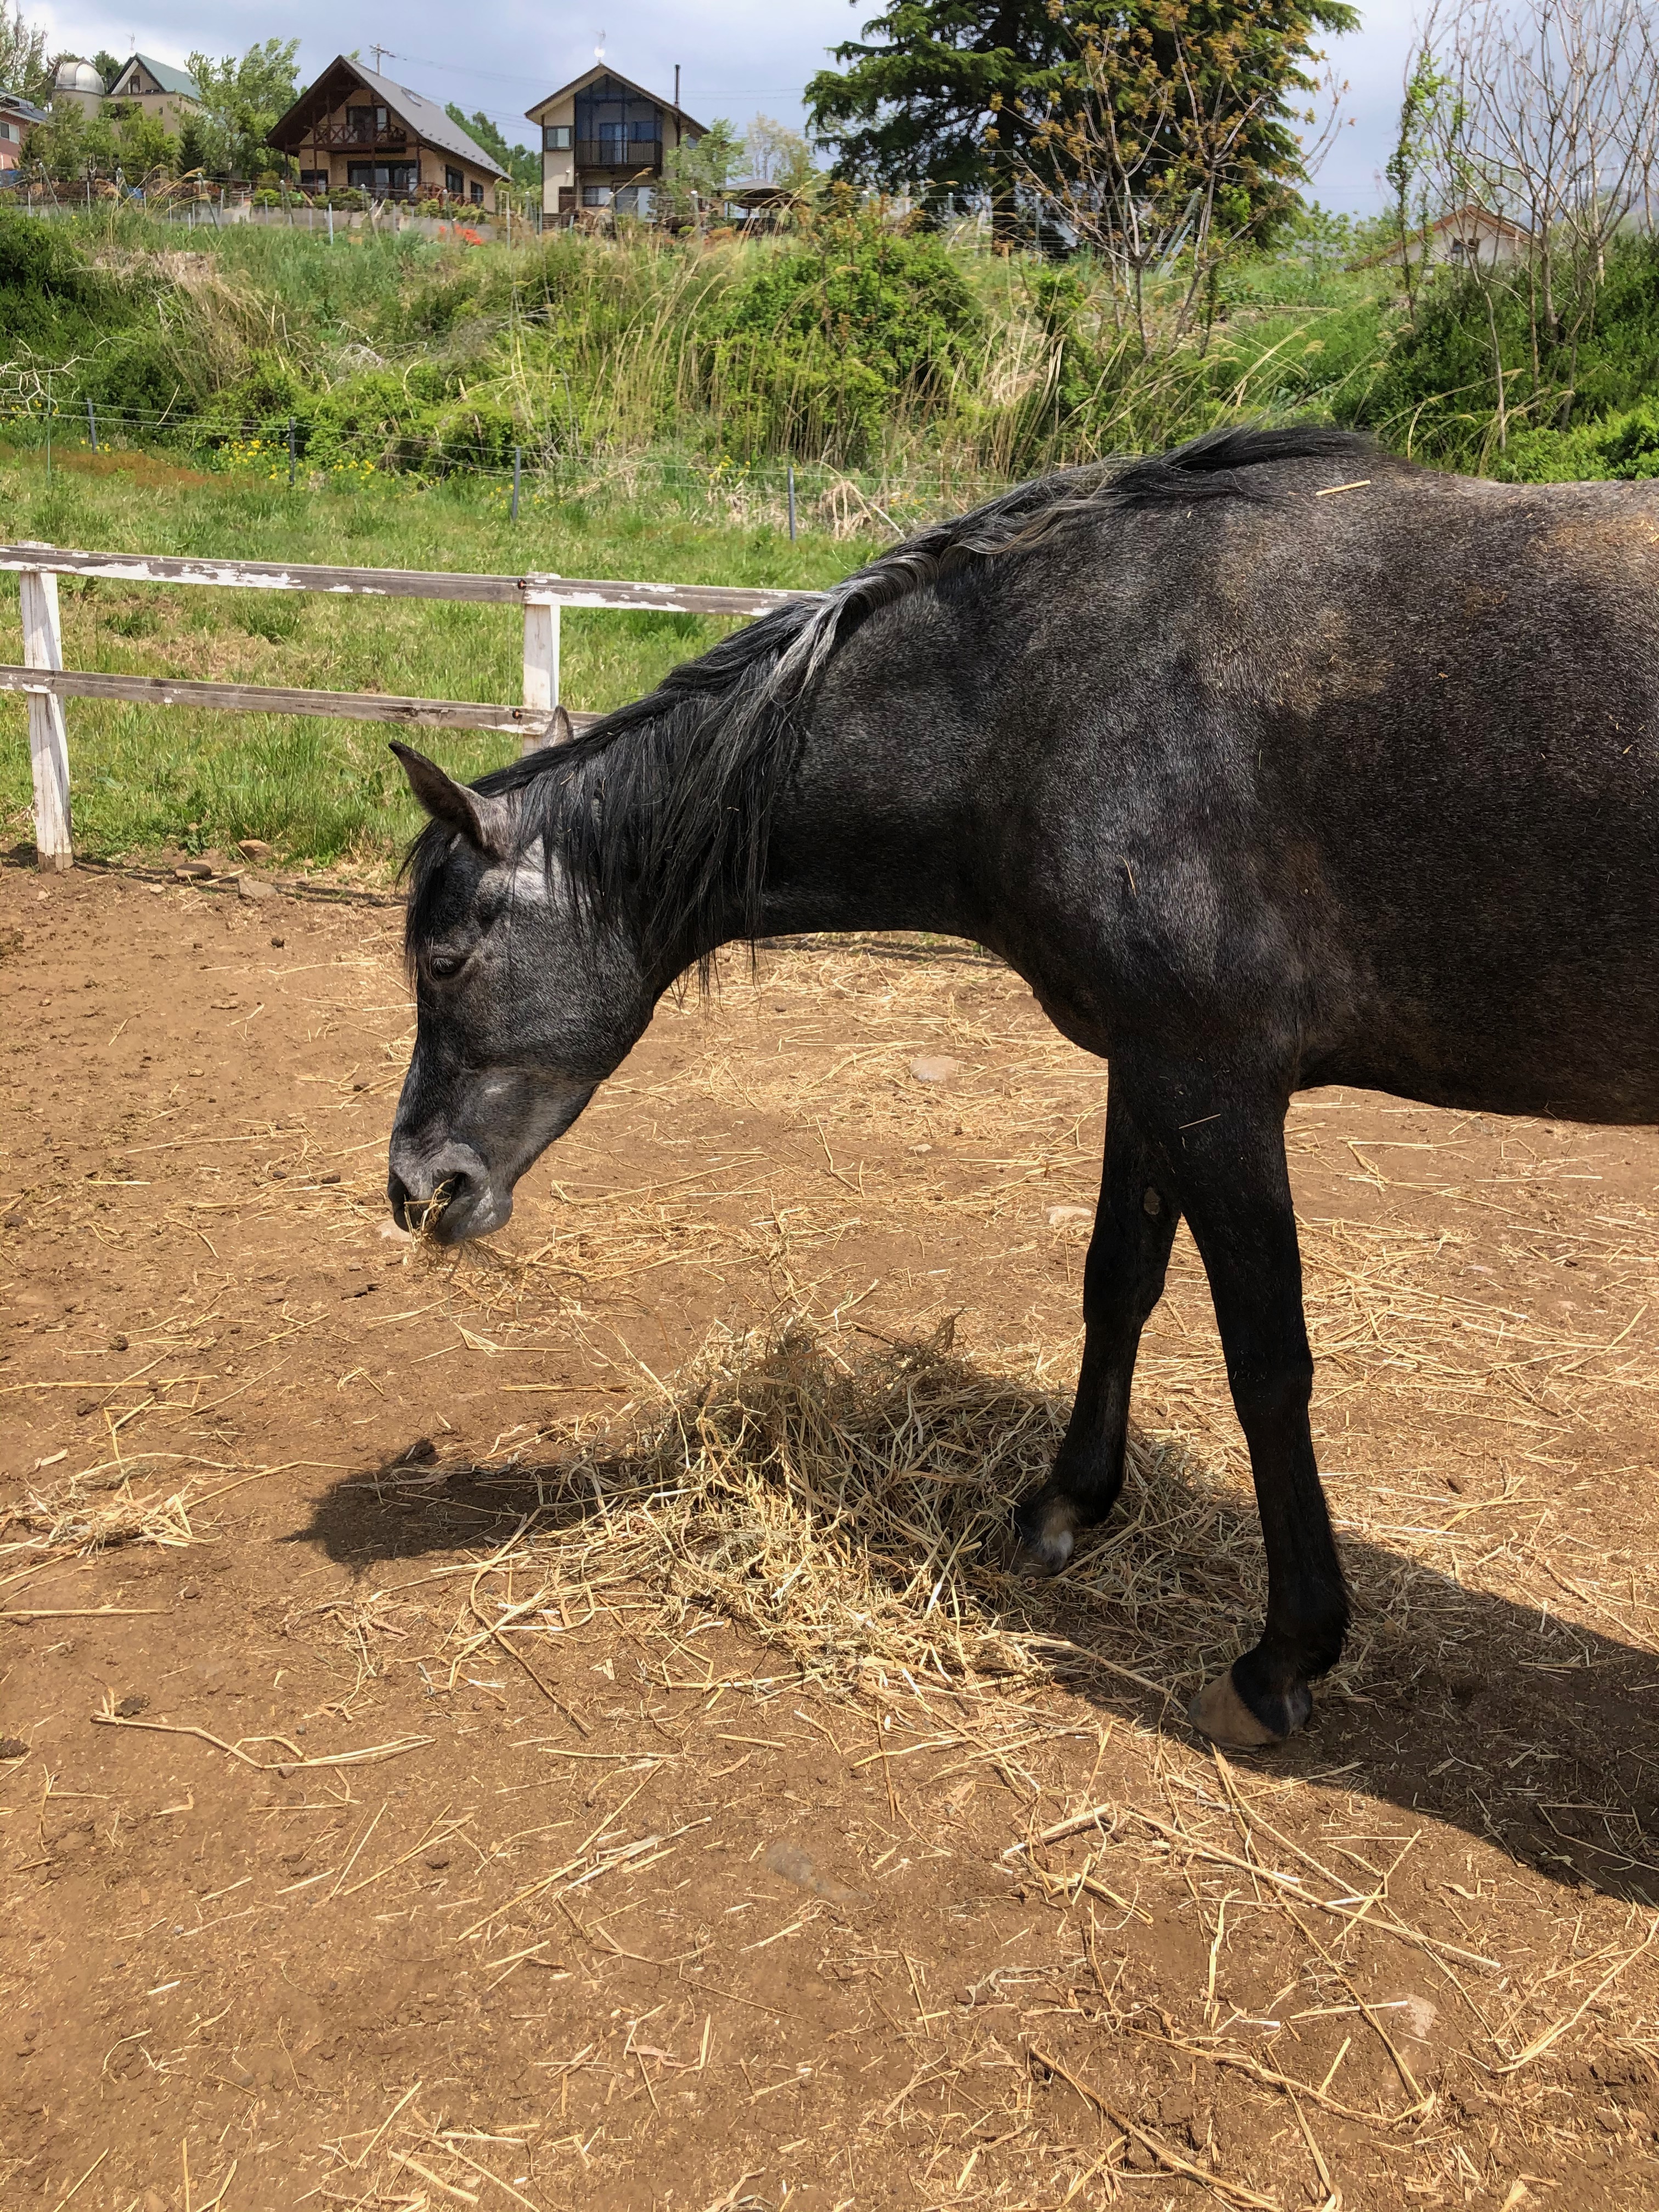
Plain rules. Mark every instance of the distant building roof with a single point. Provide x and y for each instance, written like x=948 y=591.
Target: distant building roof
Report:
x=170 y=79
x=13 y=103
x=1469 y=221
x=688 y=123
x=424 y=115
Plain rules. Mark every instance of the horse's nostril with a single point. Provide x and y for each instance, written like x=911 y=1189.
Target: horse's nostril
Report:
x=399 y=1198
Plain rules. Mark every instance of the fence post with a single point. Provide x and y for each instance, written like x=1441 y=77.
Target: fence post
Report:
x=290 y=452
x=518 y=456
x=541 y=659
x=791 y=502
x=92 y=423
x=43 y=647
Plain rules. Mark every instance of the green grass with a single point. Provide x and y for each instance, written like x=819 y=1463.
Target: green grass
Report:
x=150 y=778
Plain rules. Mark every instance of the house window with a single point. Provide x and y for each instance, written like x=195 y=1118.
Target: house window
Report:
x=477 y=193
x=384 y=179
x=455 y=183
x=8 y=132
x=313 y=180
x=363 y=124
x=595 y=195
x=557 y=138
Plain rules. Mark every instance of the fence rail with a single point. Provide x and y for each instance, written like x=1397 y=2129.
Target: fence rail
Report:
x=47 y=683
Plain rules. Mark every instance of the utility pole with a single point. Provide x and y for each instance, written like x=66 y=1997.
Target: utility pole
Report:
x=378 y=52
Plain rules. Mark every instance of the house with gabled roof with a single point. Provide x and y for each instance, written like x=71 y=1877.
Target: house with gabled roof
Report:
x=355 y=130
x=18 y=117
x=157 y=88
x=604 y=141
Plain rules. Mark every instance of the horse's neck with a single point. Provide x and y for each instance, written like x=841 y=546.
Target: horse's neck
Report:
x=868 y=832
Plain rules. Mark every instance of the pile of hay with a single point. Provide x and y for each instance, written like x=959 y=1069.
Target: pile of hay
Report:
x=855 y=1508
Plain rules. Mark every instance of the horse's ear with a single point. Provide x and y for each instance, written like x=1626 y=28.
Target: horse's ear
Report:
x=481 y=820
x=560 y=729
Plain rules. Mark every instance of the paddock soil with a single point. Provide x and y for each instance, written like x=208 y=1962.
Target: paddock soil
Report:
x=334 y=1875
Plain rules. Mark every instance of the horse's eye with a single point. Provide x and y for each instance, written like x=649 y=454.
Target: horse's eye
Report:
x=443 y=965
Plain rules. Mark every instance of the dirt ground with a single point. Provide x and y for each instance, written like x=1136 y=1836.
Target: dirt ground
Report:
x=357 y=1850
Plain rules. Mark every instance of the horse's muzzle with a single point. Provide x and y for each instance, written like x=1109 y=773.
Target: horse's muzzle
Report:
x=450 y=1194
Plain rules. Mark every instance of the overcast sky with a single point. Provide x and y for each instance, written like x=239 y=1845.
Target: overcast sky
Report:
x=738 y=57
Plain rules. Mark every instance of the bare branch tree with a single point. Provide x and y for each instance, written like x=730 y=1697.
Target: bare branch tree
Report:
x=1546 y=113
x=1175 y=153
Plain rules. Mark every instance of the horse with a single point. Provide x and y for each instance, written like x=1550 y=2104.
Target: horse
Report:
x=1268 y=762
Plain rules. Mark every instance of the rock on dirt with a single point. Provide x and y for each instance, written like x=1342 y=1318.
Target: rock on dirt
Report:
x=1061 y=1217
x=253 y=848
x=937 y=1068
x=251 y=887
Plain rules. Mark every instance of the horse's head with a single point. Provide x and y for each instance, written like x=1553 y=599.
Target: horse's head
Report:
x=525 y=1001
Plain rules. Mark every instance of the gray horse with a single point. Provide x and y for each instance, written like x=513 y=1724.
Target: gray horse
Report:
x=1270 y=763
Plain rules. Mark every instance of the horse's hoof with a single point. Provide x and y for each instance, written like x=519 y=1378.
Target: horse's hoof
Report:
x=1047 y=1530
x=1218 y=1712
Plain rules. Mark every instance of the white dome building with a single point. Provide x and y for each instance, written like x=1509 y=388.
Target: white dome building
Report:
x=79 y=82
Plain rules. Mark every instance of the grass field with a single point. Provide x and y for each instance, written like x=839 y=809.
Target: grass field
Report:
x=321 y=792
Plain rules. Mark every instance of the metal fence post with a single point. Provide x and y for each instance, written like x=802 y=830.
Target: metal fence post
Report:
x=541 y=658
x=518 y=456
x=43 y=647
x=791 y=502
x=290 y=452
x=92 y=423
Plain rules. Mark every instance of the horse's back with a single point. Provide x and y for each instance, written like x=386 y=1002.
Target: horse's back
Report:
x=1382 y=757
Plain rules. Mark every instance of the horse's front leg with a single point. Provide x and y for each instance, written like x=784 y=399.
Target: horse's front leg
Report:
x=1235 y=1191
x=1122 y=1281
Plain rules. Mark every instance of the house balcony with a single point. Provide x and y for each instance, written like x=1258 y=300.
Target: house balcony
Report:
x=642 y=157
x=345 y=138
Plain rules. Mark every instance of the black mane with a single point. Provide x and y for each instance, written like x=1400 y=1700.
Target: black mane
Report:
x=659 y=810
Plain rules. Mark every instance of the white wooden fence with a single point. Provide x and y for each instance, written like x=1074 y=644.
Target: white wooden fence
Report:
x=47 y=683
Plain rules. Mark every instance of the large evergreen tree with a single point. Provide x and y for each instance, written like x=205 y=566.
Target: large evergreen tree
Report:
x=964 y=94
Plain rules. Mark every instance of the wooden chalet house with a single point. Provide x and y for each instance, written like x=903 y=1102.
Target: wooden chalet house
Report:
x=603 y=138
x=354 y=130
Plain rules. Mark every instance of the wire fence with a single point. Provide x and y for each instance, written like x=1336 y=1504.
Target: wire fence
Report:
x=545 y=467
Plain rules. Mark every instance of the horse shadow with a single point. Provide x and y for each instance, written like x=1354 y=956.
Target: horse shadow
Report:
x=1459 y=1705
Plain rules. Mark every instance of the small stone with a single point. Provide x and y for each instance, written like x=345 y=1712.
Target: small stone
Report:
x=193 y=872
x=279 y=942
x=118 y=1344
x=394 y=1235
x=15 y=1221
x=13 y=1747
x=1610 y=2118
x=128 y=1706
x=250 y=887
x=253 y=848
x=328 y=1178
x=437 y=1861
x=87 y=1405
x=934 y=1068
x=1061 y=1217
